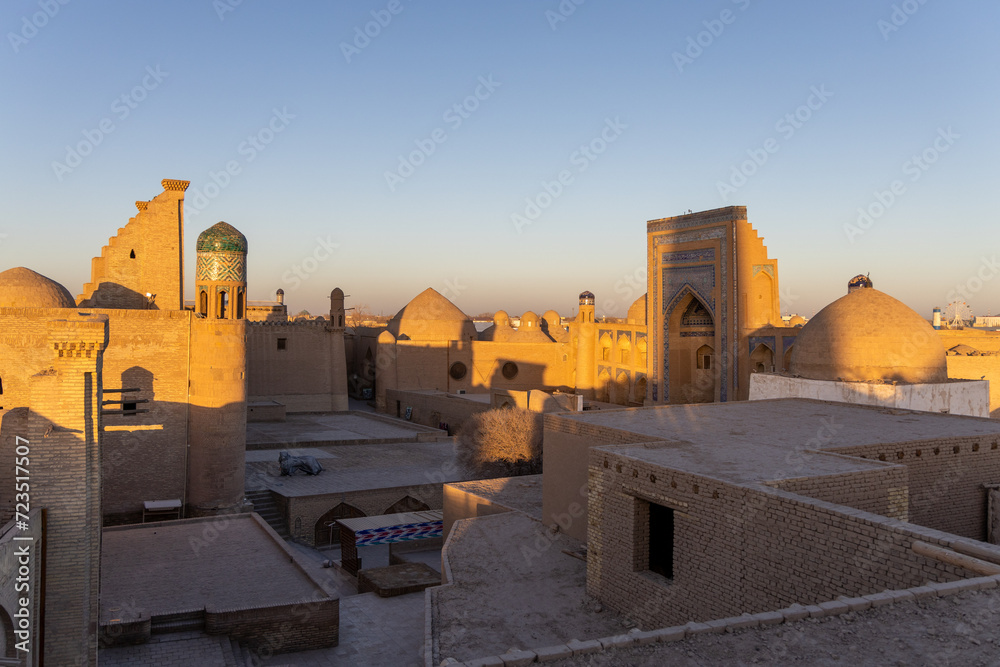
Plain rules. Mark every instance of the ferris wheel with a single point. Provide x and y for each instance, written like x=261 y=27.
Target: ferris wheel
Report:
x=958 y=314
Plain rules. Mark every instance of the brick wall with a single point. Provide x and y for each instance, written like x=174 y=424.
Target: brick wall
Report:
x=740 y=549
x=433 y=409
x=144 y=456
x=145 y=256
x=304 y=626
x=303 y=513
x=566 y=446
x=63 y=434
x=882 y=491
x=308 y=375
x=217 y=417
x=945 y=479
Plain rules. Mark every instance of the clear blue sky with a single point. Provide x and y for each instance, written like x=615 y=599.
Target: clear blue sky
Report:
x=680 y=125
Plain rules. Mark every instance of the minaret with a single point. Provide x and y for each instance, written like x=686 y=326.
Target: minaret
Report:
x=221 y=274
x=217 y=384
x=338 y=353
x=586 y=360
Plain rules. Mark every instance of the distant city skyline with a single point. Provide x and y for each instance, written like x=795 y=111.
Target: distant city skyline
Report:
x=509 y=155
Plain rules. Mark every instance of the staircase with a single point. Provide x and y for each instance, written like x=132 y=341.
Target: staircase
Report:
x=236 y=654
x=264 y=505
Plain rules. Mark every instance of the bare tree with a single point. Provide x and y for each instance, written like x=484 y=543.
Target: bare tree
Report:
x=501 y=443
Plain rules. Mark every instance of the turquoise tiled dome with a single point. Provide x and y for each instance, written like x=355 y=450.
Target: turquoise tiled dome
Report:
x=222 y=237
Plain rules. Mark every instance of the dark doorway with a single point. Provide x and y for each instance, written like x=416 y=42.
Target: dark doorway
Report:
x=326 y=531
x=661 y=540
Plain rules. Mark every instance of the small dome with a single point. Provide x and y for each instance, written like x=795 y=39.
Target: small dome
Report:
x=796 y=321
x=430 y=316
x=280 y=291
x=337 y=293
x=23 y=288
x=587 y=298
x=552 y=325
x=637 y=311
x=529 y=331
x=859 y=281
x=869 y=336
x=500 y=331
x=221 y=237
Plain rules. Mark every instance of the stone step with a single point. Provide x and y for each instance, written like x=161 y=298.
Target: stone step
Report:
x=229 y=653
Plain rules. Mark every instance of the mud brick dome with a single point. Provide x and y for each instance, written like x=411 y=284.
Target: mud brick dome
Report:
x=430 y=316
x=23 y=288
x=869 y=336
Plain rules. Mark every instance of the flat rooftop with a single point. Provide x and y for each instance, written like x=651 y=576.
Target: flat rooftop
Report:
x=750 y=441
x=513 y=585
x=332 y=428
x=177 y=566
x=523 y=493
x=357 y=468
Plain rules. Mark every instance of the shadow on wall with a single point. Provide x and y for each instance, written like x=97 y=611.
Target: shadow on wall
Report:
x=142 y=460
x=113 y=295
x=520 y=375
x=13 y=423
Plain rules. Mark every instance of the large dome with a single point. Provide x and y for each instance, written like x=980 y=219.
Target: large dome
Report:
x=221 y=237
x=23 y=288
x=430 y=316
x=637 y=311
x=869 y=336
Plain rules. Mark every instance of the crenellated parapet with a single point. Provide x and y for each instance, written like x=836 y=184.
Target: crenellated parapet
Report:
x=171 y=184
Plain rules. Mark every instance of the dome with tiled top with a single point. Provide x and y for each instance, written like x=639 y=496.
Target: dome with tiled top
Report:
x=221 y=237
x=23 y=288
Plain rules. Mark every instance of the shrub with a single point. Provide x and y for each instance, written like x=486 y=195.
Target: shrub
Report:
x=501 y=443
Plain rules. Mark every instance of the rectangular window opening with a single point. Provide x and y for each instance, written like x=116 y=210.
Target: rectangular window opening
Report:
x=129 y=408
x=661 y=540
x=282 y=342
